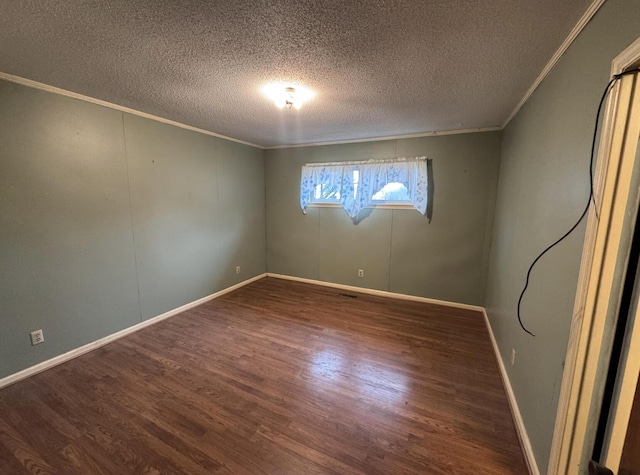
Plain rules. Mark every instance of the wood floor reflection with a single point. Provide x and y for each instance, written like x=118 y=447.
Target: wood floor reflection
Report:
x=277 y=377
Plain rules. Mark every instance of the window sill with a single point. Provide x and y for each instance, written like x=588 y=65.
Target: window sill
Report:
x=374 y=206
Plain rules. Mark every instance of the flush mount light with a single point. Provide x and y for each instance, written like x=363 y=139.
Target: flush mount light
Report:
x=289 y=98
x=287 y=95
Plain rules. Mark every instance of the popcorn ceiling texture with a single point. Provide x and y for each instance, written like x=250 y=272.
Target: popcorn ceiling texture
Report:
x=379 y=67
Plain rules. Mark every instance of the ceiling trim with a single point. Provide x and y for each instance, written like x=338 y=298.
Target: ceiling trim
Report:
x=390 y=137
x=588 y=15
x=577 y=29
x=64 y=92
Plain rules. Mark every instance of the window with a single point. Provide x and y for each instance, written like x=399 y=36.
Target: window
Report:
x=326 y=194
x=356 y=185
x=394 y=191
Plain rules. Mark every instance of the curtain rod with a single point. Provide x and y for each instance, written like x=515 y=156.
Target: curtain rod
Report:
x=362 y=162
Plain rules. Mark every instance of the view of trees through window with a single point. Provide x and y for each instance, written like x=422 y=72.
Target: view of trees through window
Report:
x=330 y=193
x=392 y=192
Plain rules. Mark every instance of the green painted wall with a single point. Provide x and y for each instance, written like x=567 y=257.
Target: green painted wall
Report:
x=398 y=250
x=107 y=219
x=543 y=187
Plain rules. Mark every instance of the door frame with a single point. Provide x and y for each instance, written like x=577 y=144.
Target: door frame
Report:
x=599 y=284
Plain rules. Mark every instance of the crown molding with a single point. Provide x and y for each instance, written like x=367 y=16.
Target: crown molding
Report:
x=63 y=92
x=577 y=29
x=390 y=137
x=588 y=15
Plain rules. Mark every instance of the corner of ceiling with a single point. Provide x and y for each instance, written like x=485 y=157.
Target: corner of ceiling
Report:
x=584 y=20
x=577 y=29
x=63 y=92
x=391 y=137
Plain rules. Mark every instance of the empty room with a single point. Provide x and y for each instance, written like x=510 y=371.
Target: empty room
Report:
x=308 y=237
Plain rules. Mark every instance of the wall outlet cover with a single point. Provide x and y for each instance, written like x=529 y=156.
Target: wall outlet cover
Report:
x=37 y=337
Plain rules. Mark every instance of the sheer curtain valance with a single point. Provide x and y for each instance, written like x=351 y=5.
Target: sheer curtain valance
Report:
x=354 y=184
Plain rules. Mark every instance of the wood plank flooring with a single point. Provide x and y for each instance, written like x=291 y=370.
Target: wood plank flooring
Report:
x=277 y=377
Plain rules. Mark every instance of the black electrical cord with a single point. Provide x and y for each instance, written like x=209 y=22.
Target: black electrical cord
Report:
x=591 y=195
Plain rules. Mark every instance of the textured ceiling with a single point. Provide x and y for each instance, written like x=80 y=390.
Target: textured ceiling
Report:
x=378 y=67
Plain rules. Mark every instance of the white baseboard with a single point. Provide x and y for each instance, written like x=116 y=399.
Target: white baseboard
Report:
x=521 y=430
x=69 y=355
x=529 y=456
x=380 y=293
x=513 y=405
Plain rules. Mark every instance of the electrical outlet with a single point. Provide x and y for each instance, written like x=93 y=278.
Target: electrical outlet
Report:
x=360 y=273
x=237 y=269
x=37 y=337
x=513 y=356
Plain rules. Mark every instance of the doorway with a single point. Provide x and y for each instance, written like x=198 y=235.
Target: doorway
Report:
x=620 y=352
x=630 y=462
x=599 y=297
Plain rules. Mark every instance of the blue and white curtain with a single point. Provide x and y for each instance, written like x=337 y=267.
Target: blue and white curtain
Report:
x=336 y=182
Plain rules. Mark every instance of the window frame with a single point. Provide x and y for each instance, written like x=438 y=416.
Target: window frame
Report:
x=419 y=187
x=375 y=204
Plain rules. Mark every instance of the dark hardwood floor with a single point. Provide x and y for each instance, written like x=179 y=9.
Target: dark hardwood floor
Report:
x=277 y=377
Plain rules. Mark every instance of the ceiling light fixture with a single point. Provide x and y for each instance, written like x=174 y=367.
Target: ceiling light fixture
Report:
x=287 y=96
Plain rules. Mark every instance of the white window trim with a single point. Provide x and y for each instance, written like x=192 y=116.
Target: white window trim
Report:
x=418 y=196
x=389 y=205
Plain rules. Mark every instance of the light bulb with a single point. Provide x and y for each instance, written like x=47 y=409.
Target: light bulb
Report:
x=287 y=96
